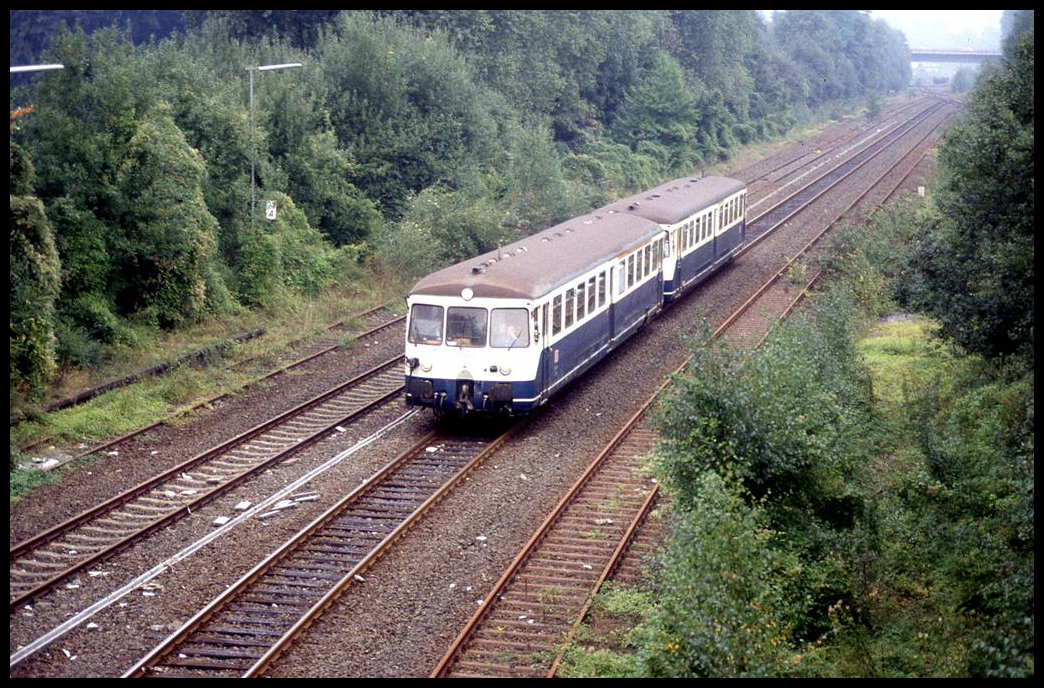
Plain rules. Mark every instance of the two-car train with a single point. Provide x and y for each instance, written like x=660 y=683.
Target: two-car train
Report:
x=505 y=331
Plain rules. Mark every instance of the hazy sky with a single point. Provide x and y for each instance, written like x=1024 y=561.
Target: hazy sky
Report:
x=946 y=28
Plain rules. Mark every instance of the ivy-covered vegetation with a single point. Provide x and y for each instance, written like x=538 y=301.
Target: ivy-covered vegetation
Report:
x=407 y=138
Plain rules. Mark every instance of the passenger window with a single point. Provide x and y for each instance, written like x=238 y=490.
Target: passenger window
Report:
x=592 y=302
x=647 y=260
x=630 y=271
x=581 y=302
x=601 y=290
x=570 y=302
x=556 y=315
x=621 y=282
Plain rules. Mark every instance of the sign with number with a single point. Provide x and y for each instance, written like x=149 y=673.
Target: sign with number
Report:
x=270 y=210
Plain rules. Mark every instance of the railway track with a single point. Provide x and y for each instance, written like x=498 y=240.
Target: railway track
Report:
x=40 y=563
x=240 y=633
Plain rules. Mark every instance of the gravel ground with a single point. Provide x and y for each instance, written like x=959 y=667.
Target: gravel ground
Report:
x=412 y=603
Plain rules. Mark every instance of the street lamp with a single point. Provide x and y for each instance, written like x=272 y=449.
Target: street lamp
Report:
x=36 y=68
x=253 y=151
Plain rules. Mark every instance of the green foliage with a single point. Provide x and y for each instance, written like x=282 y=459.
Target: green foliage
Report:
x=35 y=281
x=977 y=264
x=285 y=254
x=842 y=53
x=723 y=610
x=658 y=115
x=406 y=106
x=171 y=235
x=440 y=227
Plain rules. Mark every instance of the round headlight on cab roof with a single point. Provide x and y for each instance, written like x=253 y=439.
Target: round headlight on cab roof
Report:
x=466 y=293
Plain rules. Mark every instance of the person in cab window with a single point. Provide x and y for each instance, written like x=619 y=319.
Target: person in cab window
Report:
x=508 y=335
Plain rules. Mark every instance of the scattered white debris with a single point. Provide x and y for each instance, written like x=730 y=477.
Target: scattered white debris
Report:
x=523 y=476
x=452 y=585
x=189 y=492
x=587 y=567
x=81 y=445
x=112 y=453
x=603 y=521
x=360 y=578
x=531 y=621
x=186 y=476
x=340 y=429
x=71 y=586
x=93 y=625
x=306 y=498
x=153 y=452
x=221 y=520
x=431 y=450
x=242 y=506
x=479 y=601
x=481 y=538
x=283 y=504
x=97 y=573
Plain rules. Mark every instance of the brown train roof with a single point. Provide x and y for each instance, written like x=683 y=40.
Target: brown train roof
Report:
x=536 y=265
x=676 y=200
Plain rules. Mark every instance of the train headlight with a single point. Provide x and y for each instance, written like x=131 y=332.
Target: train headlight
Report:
x=425 y=366
x=504 y=370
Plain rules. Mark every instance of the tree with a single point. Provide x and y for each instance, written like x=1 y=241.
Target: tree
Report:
x=659 y=115
x=171 y=236
x=35 y=281
x=978 y=266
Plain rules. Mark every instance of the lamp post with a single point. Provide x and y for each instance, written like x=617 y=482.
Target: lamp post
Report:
x=253 y=146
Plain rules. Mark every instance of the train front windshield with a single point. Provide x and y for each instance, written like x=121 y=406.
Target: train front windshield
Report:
x=425 y=324
x=468 y=326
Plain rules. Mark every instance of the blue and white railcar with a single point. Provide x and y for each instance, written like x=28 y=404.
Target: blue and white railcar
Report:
x=507 y=330
x=705 y=223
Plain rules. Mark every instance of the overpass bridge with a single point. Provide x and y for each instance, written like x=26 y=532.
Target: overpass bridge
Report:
x=964 y=55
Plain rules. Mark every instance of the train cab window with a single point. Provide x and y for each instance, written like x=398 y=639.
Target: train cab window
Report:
x=601 y=290
x=507 y=327
x=556 y=315
x=425 y=324
x=466 y=326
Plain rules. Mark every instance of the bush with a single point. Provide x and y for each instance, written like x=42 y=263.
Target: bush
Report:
x=35 y=282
